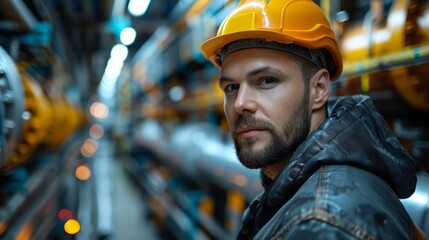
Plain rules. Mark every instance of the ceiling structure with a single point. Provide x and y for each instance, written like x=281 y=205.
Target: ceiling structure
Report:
x=94 y=27
x=88 y=28
x=90 y=19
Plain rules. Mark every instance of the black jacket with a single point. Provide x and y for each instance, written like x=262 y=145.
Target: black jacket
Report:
x=343 y=182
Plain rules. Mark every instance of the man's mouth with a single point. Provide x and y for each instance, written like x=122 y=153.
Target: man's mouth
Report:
x=248 y=131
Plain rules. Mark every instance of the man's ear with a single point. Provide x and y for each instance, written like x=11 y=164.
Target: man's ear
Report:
x=320 y=88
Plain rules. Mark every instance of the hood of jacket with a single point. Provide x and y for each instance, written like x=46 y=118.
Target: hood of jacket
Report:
x=354 y=134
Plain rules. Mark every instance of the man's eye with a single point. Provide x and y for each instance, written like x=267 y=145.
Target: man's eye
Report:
x=267 y=80
x=230 y=88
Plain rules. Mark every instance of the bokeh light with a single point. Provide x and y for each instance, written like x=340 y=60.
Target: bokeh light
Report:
x=72 y=226
x=96 y=131
x=83 y=172
x=89 y=147
x=65 y=214
x=239 y=180
x=99 y=110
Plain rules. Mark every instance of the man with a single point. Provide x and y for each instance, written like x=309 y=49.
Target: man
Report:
x=330 y=169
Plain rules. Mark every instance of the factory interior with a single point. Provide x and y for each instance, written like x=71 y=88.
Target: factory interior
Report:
x=113 y=122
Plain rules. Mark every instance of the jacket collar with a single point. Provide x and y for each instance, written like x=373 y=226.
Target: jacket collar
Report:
x=353 y=122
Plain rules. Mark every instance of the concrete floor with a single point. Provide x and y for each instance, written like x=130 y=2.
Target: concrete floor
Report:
x=129 y=210
x=111 y=205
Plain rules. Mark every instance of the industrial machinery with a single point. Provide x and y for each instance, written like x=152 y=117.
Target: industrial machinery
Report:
x=34 y=125
x=37 y=120
x=386 y=56
x=12 y=106
x=385 y=47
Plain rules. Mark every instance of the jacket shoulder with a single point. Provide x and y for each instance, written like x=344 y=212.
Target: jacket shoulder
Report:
x=340 y=201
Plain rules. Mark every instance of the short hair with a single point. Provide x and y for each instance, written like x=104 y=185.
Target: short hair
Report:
x=308 y=69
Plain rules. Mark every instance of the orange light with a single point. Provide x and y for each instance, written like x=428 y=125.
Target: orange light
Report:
x=207 y=205
x=3 y=227
x=240 y=180
x=235 y=201
x=83 y=172
x=99 y=110
x=72 y=226
x=96 y=131
x=86 y=152
x=26 y=231
x=89 y=147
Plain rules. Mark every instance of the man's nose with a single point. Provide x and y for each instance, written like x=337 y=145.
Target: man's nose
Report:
x=245 y=101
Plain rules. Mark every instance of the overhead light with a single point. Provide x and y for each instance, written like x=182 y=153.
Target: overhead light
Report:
x=119 y=52
x=128 y=35
x=113 y=68
x=138 y=7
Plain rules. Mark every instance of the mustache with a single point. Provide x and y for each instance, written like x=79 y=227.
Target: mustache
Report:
x=249 y=120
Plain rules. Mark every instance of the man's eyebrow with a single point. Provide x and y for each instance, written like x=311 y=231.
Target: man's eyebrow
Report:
x=265 y=69
x=223 y=79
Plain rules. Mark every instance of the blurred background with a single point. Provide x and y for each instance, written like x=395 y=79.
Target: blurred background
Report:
x=113 y=124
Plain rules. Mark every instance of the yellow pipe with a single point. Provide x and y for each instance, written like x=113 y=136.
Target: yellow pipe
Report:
x=389 y=61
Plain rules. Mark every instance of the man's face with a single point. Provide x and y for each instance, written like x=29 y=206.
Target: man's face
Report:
x=266 y=105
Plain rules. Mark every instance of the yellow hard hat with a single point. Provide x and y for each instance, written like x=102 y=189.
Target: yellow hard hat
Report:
x=292 y=22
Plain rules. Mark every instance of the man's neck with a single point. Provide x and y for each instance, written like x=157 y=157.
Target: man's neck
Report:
x=274 y=169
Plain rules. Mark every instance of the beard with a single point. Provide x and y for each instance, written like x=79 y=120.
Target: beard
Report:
x=283 y=142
